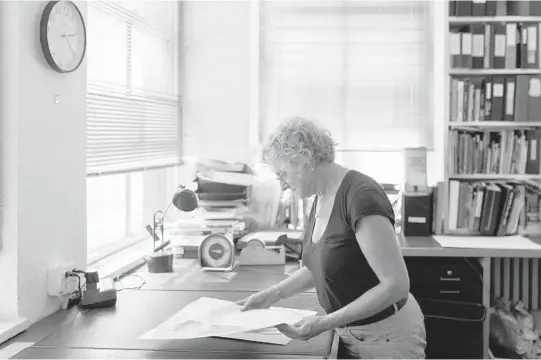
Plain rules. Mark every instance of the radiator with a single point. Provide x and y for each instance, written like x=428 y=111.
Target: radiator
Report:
x=517 y=279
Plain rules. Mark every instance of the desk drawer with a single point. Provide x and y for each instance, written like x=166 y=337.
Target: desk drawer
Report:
x=452 y=279
x=460 y=292
x=449 y=324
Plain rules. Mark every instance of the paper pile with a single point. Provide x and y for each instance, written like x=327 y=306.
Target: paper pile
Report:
x=207 y=317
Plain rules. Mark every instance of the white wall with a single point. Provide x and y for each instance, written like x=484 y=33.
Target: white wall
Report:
x=217 y=78
x=8 y=143
x=45 y=165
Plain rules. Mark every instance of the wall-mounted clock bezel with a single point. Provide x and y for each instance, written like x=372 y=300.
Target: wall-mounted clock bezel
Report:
x=44 y=37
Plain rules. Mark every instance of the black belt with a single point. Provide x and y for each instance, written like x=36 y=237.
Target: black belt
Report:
x=383 y=314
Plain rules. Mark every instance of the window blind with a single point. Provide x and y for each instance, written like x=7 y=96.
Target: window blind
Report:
x=133 y=106
x=361 y=68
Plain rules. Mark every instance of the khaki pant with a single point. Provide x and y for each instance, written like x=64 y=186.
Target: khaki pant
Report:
x=400 y=336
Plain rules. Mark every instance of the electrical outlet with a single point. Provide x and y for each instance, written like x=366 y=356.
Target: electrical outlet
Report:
x=58 y=282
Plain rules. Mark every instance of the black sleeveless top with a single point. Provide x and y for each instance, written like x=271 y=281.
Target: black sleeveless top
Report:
x=341 y=272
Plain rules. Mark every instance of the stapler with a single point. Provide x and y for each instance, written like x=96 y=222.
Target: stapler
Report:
x=98 y=294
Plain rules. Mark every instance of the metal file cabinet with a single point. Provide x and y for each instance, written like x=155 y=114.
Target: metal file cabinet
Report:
x=450 y=293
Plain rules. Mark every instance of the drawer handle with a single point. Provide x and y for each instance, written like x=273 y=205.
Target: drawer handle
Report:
x=449 y=291
x=450 y=279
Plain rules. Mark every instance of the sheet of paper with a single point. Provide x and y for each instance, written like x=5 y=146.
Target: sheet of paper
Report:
x=214 y=317
x=13 y=349
x=487 y=242
x=268 y=335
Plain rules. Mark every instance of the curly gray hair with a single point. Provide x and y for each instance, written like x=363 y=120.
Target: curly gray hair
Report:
x=298 y=143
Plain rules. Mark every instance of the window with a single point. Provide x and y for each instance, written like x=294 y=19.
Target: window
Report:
x=119 y=206
x=361 y=68
x=133 y=118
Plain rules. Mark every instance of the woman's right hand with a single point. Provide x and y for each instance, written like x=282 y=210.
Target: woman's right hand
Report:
x=260 y=300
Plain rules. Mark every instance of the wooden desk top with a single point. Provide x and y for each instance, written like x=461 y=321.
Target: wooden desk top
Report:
x=188 y=276
x=117 y=329
x=41 y=352
x=427 y=246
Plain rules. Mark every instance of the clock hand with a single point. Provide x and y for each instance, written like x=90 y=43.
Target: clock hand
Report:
x=73 y=52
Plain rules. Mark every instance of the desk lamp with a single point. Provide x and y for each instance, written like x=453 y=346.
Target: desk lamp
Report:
x=160 y=261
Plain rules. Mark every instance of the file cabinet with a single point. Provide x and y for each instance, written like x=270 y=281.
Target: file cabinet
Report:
x=450 y=294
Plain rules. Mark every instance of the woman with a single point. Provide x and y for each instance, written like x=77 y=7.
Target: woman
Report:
x=351 y=254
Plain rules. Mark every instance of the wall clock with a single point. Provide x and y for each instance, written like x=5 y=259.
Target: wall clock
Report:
x=63 y=36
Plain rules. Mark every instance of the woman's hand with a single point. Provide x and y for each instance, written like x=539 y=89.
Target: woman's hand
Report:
x=305 y=329
x=260 y=300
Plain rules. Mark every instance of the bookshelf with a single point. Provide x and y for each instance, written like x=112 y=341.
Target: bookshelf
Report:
x=492 y=117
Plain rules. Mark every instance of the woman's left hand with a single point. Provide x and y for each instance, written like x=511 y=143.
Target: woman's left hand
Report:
x=305 y=329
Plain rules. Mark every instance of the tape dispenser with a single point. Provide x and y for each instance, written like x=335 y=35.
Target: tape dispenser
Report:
x=264 y=248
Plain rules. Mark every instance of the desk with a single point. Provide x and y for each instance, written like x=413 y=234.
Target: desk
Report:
x=416 y=248
x=116 y=331
x=113 y=332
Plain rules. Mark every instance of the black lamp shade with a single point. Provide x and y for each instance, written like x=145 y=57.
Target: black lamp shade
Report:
x=185 y=200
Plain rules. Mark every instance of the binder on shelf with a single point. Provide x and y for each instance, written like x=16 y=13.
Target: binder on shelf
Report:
x=532 y=57
x=498 y=91
x=534 y=97
x=499 y=45
x=466 y=48
x=490 y=8
x=533 y=165
x=535 y=7
x=509 y=114
x=518 y=8
x=501 y=8
x=522 y=50
x=478 y=46
x=511 y=46
x=478 y=7
x=488 y=62
x=521 y=101
x=463 y=8
x=455 y=48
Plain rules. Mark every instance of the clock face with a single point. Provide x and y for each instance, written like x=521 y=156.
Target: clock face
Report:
x=63 y=36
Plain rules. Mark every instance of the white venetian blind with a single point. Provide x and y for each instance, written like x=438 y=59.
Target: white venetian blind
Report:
x=362 y=68
x=133 y=107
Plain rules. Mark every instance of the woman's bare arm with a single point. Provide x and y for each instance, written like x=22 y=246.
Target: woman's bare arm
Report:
x=300 y=281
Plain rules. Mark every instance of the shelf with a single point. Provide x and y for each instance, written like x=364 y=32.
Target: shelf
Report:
x=476 y=125
x=458 y=20
x=494 y=71
x=518 y=177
